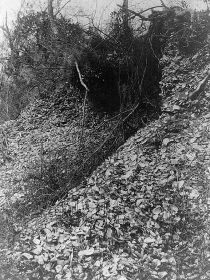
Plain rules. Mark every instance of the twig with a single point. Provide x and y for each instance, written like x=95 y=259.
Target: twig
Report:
x=151 y=8
x=80 y=77
x=7 y=34
x=102 y=32
x=136 y=14
x=41 y=157
x=153 y=50
x=142 y=80
x=62 y=7
x=84 y=102
x=164 y=5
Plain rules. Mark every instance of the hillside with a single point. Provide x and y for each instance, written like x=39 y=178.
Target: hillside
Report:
x=143 y=213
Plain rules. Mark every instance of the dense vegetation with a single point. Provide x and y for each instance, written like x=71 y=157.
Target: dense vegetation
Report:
x=107 y=84
x=71 y=95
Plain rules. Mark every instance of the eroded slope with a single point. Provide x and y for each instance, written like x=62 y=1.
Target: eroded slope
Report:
x=144 y=213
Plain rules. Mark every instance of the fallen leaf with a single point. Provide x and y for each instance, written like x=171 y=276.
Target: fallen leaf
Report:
x=162 y=274
x=48 y=232
x=105 y=271
x=149 y=240
x=97 y=263
x=87 y=252
x=207 y=116
x=133 y=158
x=180 y=183
x=68 y=275
x=109 y=233
x=127 y=175
x=194 y=194
x=48 y=267
x=36 y=241
x=108 y=172
x=166 y=215
x=156 y=262
x=28 y=256
x=191 y=156
x=157 y=210
x=37 y=250
x=122 y=277
x=174 y=209
x=40 y=260
x=176 y=108
x=58 y=268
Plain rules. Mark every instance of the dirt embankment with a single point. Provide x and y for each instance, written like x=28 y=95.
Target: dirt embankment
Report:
x=144 y=213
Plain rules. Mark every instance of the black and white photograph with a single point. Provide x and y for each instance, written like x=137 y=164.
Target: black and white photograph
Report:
x=104 y=139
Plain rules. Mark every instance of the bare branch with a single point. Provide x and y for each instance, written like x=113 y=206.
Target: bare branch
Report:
x=84 y=103
x=52 y=17
x=59 y=10
x=163 y=4
x=7 y=33
x=80 y=77
x=136 y=14
x=151 y=8
x=50 y=9
x=102 y=32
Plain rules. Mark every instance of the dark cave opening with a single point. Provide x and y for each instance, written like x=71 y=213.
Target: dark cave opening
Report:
x=133 y=78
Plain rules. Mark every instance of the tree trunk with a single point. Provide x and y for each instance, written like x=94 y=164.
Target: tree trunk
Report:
x=125 y=14
x=52 y=17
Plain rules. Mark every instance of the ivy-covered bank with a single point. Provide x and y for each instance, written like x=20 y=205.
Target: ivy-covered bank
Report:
x=142 y=214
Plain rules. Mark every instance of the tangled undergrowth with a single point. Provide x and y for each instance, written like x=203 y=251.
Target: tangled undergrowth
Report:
x=45 y=156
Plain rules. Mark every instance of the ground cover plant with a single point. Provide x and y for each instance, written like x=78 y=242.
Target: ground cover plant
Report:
x=82 y=200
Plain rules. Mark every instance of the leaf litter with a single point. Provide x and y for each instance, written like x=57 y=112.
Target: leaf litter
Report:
x=142 y=214
x=145 y=222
